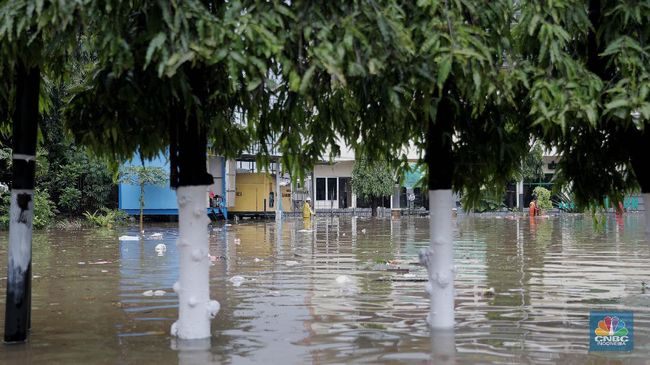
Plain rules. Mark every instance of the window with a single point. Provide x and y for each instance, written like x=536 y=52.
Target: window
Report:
x=331 y=188
x=320 y=188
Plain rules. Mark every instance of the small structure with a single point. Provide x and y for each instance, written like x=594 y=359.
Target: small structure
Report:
x=162 y=200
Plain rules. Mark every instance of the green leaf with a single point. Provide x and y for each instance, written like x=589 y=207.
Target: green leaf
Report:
x=306 y=79
x=155 y=43
x=253 y=84
x=294 y=81
x=617 y=103
x=443 y=71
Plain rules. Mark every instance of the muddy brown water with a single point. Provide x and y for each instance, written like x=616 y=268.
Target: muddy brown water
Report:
x=89 y=305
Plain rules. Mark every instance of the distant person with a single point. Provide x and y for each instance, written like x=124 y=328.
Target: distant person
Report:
x=307 y=210
x=212 y=202
x=532 y=208
x=620 y=209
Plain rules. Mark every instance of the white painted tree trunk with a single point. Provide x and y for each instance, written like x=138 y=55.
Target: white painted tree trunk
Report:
x=195 y=309
x=19 y=255
x=443 y=347
x=646 y=204
x=439 y=260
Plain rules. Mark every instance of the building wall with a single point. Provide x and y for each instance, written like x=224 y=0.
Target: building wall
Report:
x=157 y=200
x=341 y=169
x=251 y=191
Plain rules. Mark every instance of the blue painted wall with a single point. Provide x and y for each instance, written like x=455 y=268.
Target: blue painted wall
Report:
x=157 y=200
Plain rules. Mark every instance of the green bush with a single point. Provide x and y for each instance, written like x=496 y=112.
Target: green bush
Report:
x=70 y=198
x=106 y=218
x=43 y=209
x=543 y=198
x=5 y=199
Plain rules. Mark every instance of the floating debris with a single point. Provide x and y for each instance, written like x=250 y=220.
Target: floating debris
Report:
x=305 y=230
x=148 y=293
x=257 y=260
x=160 y=249
x=237 y=241
x=291 y=263
x=129 y=238
x=489 y=292
x=159 y=293
x=100 y=262
x=343 y=279
x=364 y=231
x=237 y=280
x=156 y=236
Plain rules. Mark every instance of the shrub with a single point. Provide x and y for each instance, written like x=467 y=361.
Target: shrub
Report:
x=543 y=198
x=43 y=209
x=70 y=198
x=106 y=218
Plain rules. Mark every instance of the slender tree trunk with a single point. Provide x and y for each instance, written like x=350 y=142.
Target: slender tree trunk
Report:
x=21 y=214
x=439 y=257
x=141 y=206
x=373 y=207
x=188 y=160
x=195 y=309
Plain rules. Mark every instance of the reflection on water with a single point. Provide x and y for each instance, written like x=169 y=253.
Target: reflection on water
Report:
x=340 y=290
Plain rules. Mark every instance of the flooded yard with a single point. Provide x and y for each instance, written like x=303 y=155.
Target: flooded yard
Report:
x=339 y=290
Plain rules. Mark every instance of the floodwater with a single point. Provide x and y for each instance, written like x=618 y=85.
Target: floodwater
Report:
x=294 y=305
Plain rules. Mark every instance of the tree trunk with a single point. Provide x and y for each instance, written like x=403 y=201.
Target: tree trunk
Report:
x=439 y=257
x=188 y=160
x=195 y=308
x=141 y=207
x=21 y=214
x=373 y=206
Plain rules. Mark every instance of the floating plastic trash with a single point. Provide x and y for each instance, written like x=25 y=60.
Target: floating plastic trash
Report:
x=129 y=238
x=156 y=236
x=343 y=279
x=489 y=292
x=291 y=263
x=100 y=262
x=159 y=293
x=237 y=280
x=160 y=249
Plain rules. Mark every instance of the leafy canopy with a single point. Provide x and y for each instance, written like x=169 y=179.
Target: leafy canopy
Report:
x=588 y=89
x=372 y=179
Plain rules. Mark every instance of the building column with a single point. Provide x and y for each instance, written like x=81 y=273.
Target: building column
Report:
x=313 y=191
x=394 y=202
x=278 y=193
x=520 y=194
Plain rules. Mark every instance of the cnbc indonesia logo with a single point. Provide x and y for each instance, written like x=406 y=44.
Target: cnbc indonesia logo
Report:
x=611 y=332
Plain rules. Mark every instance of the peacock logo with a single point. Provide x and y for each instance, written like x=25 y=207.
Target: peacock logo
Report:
x=611 y=326
x=611 y=331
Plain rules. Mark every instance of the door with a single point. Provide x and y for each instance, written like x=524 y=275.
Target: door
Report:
x=345 y=192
